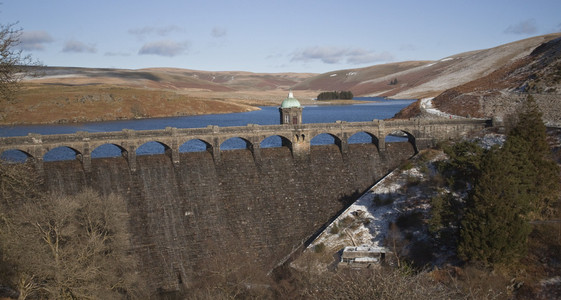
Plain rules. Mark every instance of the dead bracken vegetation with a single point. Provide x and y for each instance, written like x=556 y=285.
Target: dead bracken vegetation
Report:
x=68 y=104
x=500 y=93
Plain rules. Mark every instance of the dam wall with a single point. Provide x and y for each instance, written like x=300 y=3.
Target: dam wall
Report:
x=195 y=216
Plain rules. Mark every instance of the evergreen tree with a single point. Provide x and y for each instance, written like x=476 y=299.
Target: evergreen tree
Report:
x=346 y=95
x=494 y=229
x=515 y=183
x=537 y=169
x=463 y=165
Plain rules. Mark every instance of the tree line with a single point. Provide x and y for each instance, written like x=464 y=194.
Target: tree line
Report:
x=335 y=95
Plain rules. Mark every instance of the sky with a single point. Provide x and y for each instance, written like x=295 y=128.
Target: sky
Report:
x=272 y=36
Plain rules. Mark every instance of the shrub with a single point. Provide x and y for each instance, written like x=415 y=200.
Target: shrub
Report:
x=426 y=155
x=370 y=283
x=413 y=180
x=437 y=180
x=334 y=229
x=319 y=248
x=424 y=169
x=380 y=200
x=408 y=165
x=346 y=221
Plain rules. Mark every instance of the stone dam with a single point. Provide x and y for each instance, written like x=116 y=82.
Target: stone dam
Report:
x=194 y=212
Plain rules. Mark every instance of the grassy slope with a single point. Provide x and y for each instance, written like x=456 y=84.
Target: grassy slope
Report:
x=80 y=94
x=418 y=79
x=59 y=104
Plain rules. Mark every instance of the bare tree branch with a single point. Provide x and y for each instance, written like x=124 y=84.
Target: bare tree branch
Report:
x=70 y=247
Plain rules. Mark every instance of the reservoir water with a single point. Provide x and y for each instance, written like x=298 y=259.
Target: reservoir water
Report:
x=374 y=108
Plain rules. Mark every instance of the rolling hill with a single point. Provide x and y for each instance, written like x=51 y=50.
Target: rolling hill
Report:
x=499 y=93
x=419 y=79
x=476 y=83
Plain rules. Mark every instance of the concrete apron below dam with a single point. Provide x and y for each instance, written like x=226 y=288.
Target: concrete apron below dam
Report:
x=194 y=218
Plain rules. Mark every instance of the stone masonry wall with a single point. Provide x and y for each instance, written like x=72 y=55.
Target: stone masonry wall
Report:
x=190 y=219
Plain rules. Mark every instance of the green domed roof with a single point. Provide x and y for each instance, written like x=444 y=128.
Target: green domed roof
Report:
x=290 y=102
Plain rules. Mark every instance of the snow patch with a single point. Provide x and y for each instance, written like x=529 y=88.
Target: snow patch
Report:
x=426 y=105
x=551 y=281
x=366 y=221
x=55 y=77
x=491 y=139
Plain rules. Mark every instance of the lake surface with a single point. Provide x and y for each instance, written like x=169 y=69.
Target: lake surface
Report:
x=375 y=108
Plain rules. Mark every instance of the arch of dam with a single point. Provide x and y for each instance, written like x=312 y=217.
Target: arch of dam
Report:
x=196 y=212
x=420 y=132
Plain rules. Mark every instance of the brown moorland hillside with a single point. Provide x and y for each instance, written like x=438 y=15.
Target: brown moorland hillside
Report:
x=172 y=78
x=418 y=79
x=65 y=94
x=40 y=103
x=499 y=93
x=356 y=79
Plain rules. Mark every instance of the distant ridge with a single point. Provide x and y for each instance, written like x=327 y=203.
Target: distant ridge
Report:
x=413 y=79
x=158 y=92
x=419 y=79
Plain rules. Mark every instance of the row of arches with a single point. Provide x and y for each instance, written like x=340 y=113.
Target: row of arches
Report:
x=194 y=145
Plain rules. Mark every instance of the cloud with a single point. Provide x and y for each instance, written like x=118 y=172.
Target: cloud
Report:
x=333 y=55
x=524 y=27
x=164 y=48
x=328 y=55
x=116 y=54
x=34 y=40
x=78 y=47
x=155 y=30
x=218 y=32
